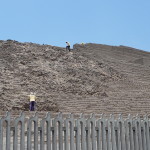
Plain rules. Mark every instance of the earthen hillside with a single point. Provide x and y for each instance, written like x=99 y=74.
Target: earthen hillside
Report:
x=91 y=78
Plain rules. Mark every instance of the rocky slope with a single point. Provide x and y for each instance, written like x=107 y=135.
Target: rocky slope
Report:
x=91 y=78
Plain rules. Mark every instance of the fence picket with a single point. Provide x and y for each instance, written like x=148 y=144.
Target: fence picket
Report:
x=129 y=133
x=101 y=124
x=99 y=133
x=70 y=120
x=7 y=120
x=33 y=119
x=1 y=133
x=122 y=132
x=80 y=124
x=91 y=133
x=46 y=120
x=58 y=120
x=147 y=135
x=18 y=120
x=143 y=134
x=138 y=139
x=111 y=128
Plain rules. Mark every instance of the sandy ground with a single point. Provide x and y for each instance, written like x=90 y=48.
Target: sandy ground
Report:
x=92 y=78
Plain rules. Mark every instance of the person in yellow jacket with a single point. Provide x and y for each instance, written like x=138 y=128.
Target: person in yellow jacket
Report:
x=32 y=101
x=68 y=46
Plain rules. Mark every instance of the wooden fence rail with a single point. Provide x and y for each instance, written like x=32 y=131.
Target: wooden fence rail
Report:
x=58 y=133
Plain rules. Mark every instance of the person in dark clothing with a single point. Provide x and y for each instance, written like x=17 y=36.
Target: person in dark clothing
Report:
x=32 y=101
x=68 y=46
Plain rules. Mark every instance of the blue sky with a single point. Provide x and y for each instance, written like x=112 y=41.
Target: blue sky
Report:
x=53 y=22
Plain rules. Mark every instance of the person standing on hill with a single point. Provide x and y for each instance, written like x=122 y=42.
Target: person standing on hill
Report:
x=32 y=101
x=68 y=46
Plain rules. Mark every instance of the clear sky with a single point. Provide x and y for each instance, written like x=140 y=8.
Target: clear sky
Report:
x=53 y=22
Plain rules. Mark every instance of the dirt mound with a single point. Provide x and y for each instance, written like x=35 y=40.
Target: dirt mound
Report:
x=86 y=79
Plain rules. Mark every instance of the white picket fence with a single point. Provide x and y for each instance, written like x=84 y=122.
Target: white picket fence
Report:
x=70 y=133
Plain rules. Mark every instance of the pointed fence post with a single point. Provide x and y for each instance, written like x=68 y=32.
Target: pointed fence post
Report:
x=91 y=143
x=58 y=120
x=80 y=124
x=18 y=120
x=101 y=133
x=129 y=133
x=69 y=120
x=47 y=121
x=144 y=134
x=147 y=126
x=138 y=139
x=33 y=119
x=121 y=127
x=1 y=133
x=7 y=120
x=111 y=133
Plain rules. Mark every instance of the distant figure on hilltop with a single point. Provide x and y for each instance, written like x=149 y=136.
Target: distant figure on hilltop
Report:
x=68 y=46
x=32 y=101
